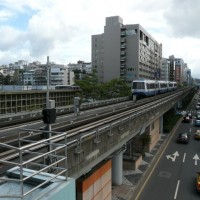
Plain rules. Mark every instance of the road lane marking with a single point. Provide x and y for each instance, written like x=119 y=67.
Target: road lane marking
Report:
x=177 y=186
x=184 y=157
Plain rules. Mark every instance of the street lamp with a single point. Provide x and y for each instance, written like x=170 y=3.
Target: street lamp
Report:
x=49 y=113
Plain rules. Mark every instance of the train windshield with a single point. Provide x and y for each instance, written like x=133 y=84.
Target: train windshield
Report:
x=138 y=85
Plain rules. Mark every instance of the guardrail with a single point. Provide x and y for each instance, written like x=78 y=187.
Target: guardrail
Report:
x=34 y=167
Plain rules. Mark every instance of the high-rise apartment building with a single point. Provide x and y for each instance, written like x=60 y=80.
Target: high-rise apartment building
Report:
x=123 y=51
x=171 y=68
x=179 y=70
x=165 y=69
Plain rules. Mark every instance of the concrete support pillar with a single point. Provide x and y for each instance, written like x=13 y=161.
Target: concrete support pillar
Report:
x=117 y=168
x=161 y=124
x=180 y=104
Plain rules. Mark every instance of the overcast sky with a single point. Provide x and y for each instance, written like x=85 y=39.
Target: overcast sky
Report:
x=31 y=30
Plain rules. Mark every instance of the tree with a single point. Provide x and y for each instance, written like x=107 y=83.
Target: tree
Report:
x=93 y=89
x=18 y=77
x=7 y=80
x=89 y=85
x=77 y=74
x=1 y=79
x=117 y=88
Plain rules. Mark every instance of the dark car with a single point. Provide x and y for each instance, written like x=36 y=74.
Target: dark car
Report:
x=198 y=116
x=186 y=119
x=197 y=122
x=183 y=138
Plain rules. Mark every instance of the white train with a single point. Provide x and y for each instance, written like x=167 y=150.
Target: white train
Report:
x=144 y=88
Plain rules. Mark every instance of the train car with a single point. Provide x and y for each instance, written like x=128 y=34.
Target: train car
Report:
x=163 y=87
x=143 y=88
x=170 y=86
x=174 y=85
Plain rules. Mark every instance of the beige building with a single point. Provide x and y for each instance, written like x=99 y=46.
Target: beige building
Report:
x=125 y=51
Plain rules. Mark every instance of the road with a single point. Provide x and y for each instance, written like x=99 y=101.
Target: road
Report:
x=174 y=175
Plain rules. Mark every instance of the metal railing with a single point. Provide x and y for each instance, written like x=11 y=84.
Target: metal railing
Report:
x=34 y=167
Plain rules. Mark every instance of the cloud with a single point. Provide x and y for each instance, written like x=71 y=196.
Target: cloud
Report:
x=35 y=29
x=11 y=38
x=5 y=15
x=183 y=18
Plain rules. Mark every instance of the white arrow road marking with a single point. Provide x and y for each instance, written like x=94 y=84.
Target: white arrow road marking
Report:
x=196 y=158
x=173 y=156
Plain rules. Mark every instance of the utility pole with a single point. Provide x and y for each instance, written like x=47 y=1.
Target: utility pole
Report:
x=48 y=71
x=47 y=103
x=49 y=114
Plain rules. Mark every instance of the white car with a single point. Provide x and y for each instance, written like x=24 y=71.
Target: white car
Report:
x=198 y=106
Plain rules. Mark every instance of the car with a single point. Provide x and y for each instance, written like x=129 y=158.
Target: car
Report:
x=183 y=138
x=197 y=122
x=186 y=119
x=198 y=106
x=197 y=134
x=198 y=116
x=189 y=114
x=198 y=182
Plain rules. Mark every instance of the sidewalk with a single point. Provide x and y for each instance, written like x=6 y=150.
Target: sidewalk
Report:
x=133 y=178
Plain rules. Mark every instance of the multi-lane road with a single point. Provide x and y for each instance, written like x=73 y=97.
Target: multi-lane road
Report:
x=174 y=175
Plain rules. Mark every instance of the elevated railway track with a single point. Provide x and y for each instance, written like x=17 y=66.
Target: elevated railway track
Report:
x=81 y=127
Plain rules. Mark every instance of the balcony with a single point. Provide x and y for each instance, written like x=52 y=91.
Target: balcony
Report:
x=123 y=33
x=123 y=76
x=123 y=53
x=123 y=40
x=122 y=66
x=123 y=46
x=123 y=28
x=123 y=59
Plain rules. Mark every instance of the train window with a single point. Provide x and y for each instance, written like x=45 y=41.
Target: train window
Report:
x=151 y=85
x=138 y=85
x=156 y=85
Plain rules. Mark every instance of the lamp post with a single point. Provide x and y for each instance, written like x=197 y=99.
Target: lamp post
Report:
x=47 y=97
x=48 y=106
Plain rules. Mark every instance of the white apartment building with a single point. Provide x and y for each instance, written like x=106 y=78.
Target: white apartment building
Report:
x=58 y=75
x=123 y=51
x=165 y=69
